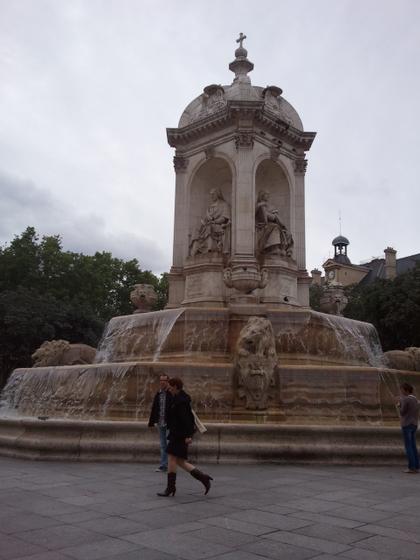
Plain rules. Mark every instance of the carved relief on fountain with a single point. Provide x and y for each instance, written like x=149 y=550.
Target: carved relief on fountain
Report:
x=255 y=362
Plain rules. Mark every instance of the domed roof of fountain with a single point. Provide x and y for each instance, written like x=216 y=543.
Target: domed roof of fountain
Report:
x=215 y=97
x=340 y=240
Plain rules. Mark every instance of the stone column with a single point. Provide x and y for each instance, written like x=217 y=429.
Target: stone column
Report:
x=300 y=252
x=176 y=276
x=244 y=224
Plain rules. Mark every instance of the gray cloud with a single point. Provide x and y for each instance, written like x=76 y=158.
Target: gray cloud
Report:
x=88 y=89
x=23 y=204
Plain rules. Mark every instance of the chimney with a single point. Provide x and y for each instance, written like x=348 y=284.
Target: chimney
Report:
x=390 y=263
x=316 y=276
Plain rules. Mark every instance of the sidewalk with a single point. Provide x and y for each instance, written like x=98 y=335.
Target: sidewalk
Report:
x=90 y=511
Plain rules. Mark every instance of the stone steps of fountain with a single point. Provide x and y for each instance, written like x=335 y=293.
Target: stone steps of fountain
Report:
x=61 y=439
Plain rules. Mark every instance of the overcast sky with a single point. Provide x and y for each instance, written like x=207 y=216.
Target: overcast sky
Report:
x=88 y=87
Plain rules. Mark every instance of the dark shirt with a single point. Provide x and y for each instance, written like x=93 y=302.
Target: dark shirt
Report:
x=409 y=411
x=156 y=412
x=180 y=417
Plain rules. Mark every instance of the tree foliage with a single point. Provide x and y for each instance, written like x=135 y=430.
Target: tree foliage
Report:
x=393 y=306
x=47 y=293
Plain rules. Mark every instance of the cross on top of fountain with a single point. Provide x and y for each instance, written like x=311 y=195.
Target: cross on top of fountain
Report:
x=241 y=65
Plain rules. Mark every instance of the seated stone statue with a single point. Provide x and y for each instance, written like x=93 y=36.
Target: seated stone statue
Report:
x=213 y=235
x=272 y=236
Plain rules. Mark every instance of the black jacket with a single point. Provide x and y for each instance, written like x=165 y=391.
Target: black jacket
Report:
x=154 y=413
x=180 y=417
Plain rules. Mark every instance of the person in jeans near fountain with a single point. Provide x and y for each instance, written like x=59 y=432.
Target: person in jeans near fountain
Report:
x=158 y=416
x=181 y=428
x=409 y=415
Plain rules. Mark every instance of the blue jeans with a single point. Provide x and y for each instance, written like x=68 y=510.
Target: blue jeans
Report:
x=409 y=434
x=163 y=437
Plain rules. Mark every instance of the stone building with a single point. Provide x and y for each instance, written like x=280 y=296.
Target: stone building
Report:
x=340 y=270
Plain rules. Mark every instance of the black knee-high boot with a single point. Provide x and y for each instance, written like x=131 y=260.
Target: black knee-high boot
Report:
x=170 y=488
x=203 y=478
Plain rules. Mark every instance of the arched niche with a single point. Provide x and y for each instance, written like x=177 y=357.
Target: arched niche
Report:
x=214 y=173
x=271 y=177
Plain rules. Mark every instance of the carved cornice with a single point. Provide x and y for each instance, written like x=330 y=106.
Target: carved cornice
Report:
x=301 y=165
x=253 y=112
x=180 y=164
x=209 y=152
x=275 y=152
x=244 y=139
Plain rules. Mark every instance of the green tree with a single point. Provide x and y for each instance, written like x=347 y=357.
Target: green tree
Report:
x=47 y=293
x=315 y=294
x=393 y=306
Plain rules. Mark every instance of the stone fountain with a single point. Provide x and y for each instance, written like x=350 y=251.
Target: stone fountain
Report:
x=272 y=379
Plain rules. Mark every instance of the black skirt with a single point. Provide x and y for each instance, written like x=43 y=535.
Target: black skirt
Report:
x=177 y=447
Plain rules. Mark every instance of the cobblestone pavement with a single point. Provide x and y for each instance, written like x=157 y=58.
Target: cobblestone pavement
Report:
x=89 y=511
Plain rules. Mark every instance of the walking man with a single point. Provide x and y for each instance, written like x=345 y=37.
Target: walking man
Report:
x=158 y=416
x=409 y=416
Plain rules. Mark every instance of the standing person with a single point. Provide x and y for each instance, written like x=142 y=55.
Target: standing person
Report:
x=409 y=416
x=181 y=429
x=158 y=416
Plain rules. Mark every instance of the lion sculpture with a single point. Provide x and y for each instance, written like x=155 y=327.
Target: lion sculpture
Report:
x=255 y=361
x=62 y=353
x=143 y=297
x=408 y=359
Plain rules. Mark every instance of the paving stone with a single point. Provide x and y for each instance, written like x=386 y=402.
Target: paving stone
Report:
x=60 y=536
x=111 y=526
x=219 y=535
x=100 y=549
x=52 y=555
x=362 y=554
x=188 y=549
x=236 y=525
x=359 y=514
x=144 y=554
x=313 y=543
x=403 y=549
x=12 y=547
x=268 y=519
x=326 y=519
x=238 y=555
x=391 y=533
x=312 y=505
x=330 y=533
x=403 y=522
x=26 y=522
x=278 y=551
x=252 y=512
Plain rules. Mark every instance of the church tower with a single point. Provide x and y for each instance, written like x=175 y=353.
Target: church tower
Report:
x=239 y=234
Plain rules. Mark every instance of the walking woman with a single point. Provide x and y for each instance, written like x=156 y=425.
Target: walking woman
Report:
x=180 y=422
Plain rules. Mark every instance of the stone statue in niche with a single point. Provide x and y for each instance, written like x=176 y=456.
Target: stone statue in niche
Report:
x=213 y=236
x=272 y=236
x=255 y=361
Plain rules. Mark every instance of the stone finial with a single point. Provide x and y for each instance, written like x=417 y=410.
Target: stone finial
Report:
x=241 y=65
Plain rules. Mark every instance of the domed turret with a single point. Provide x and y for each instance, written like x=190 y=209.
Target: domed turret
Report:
x=215 y=98
x=340 y=249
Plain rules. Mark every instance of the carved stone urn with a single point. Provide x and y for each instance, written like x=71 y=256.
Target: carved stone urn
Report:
x=245 y=278
x=143 y=297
